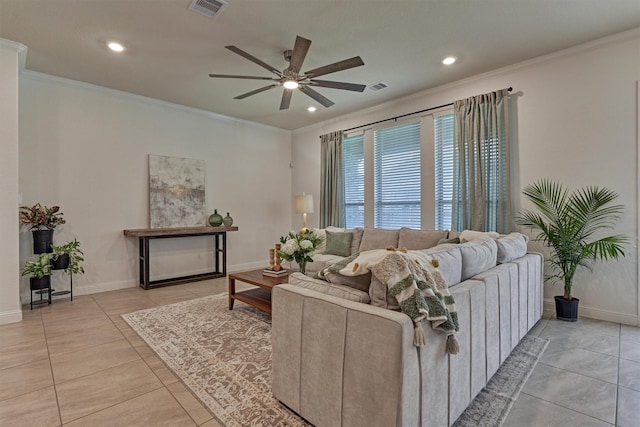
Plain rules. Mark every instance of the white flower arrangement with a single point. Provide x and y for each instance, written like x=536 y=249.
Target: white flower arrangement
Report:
x=299 y=247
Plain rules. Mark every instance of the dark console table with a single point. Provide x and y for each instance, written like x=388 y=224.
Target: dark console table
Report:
x=144 y=235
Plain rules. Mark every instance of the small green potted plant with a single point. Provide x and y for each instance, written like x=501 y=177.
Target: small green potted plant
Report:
x=68 y=257
x=40 y=271
x=571 y=223
x=42 y=221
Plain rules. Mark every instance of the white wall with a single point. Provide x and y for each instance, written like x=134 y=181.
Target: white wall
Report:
x=86 y=149
x=576 y=123
x=11 y=59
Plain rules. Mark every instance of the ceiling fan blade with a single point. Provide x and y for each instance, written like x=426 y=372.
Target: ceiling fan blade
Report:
x=231 y=76
x=339 y=85
x=286 y=99
x=300 y=50
x=254 y=59
x=356 y=61
x=315 y=95
x=253 y=92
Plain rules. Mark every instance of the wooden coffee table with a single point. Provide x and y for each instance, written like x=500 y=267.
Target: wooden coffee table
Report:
x=259 y=297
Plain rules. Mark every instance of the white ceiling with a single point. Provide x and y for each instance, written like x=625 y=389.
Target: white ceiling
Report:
x=171 y=50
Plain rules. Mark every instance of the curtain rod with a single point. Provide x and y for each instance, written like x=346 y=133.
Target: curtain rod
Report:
x=509 y=89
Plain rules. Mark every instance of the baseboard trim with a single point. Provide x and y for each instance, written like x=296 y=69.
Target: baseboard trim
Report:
x=88 y=289
x=597 y=313
x=10 y=316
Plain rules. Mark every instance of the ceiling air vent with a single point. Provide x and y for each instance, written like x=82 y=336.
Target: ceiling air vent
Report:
x=376 y=87
x=208 y=8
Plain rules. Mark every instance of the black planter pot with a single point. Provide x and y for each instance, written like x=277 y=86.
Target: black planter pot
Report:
x=567 y=310
x=42 y=240
x=37 y=283
x=60 y=263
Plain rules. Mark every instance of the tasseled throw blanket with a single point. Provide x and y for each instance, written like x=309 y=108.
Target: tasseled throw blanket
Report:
x=422 y=293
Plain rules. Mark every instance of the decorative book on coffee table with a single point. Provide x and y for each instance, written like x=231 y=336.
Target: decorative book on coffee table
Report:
x=274 y=273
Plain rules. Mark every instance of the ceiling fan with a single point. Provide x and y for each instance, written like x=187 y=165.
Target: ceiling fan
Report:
x=291 y=78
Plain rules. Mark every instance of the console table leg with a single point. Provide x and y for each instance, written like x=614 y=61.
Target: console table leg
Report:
x=232 y=291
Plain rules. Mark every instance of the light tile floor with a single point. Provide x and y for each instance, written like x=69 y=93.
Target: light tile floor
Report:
x=79 y=364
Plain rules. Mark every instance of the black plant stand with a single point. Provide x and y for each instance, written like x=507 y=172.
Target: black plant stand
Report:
x=70 y=291
x=40 y=286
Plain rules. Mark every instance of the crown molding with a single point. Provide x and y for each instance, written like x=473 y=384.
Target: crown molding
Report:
x=19 y=48
x=37 y=76
x=594 y=44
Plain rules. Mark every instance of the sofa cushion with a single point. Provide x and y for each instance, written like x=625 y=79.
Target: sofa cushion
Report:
x=511 y=246
x=469 y=235
x=477 y=256
x=419 y=239
x=340 y=291
x=357 y=239
x=449 y=261
x=321 y=261
x=338 y=243
x=380 y=297
x=376 y=238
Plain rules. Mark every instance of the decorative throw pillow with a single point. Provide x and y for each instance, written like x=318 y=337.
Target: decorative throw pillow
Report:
x=469 y=235
x=321 y=232
x=338 y=243
x=454 y=240
x=332 y=275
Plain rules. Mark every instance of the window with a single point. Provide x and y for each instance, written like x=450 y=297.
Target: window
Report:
x=397 y=176
x=353 y=156
x=443 y=170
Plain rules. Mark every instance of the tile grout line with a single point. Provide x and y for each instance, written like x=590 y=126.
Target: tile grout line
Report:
x=53 y=378
x=564 y=407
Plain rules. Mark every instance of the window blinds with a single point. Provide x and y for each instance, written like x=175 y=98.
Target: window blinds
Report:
x=353 y=156
x=397 y=176
x=443 y=170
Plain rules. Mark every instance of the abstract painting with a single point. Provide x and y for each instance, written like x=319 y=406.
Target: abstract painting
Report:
x=176 y=192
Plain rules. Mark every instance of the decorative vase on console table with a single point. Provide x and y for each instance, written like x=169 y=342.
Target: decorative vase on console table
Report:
x=215 y=220
x=227 y=220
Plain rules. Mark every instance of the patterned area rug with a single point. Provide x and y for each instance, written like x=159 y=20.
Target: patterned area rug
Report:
x=224 y=358
x=492 y=405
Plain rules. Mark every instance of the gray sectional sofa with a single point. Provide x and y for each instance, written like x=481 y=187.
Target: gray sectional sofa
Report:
x=345 y=357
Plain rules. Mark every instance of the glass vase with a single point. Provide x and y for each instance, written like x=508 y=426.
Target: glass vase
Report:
x=302 y=266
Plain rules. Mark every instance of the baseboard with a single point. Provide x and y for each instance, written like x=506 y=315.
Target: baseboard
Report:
x=87 y=289
x=10 y=316
x=597 y=313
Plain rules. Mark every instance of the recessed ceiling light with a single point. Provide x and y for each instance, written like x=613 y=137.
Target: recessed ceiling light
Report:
x=449 y=60
x=311 y=109
x=290 y=84
x=115 y=46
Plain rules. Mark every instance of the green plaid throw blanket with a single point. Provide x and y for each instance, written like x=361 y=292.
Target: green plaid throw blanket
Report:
x=422 y=293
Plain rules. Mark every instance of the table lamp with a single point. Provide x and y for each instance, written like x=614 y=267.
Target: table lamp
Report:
x=304 y=205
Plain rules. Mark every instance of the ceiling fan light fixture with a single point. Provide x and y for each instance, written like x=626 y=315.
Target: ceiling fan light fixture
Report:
x=290 y=84
x=115 y=46
x=449 y=60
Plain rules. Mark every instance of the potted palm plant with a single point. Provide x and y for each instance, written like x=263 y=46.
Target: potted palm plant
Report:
x=42 y=221
x=571 y=223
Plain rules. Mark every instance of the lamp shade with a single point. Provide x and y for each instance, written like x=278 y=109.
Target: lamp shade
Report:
x=304 y=203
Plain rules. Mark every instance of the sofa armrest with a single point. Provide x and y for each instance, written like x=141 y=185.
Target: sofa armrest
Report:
x=329 y=352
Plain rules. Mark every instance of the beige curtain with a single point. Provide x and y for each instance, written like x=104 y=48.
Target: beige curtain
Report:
x=332 y=210
x=481 y=180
